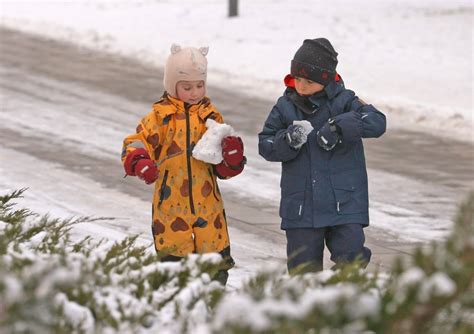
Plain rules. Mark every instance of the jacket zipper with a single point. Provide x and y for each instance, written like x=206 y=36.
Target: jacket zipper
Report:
x=188 y=158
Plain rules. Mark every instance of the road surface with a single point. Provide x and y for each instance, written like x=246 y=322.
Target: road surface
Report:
x=413 y=176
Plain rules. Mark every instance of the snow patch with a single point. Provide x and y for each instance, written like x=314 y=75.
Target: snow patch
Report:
x=439 y=284
x=79 y=316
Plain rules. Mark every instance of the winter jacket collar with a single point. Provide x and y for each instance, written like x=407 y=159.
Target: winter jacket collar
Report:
x=303 y=103
x=203 y=108
x=334 y=88
x=307 y=104
x=331 y=90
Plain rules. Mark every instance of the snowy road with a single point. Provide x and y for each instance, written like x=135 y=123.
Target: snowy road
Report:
x=65 y=111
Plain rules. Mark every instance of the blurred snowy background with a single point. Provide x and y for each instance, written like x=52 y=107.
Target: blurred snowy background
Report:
x=412 y=59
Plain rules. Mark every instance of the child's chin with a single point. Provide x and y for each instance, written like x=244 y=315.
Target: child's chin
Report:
x=194 y=101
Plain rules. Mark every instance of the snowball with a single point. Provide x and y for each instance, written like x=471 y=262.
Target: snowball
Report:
x=208 y=148
x=306 y=126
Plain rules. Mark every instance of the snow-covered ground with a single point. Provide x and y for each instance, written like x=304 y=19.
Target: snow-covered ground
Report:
x=66 y=193
x=413 y=59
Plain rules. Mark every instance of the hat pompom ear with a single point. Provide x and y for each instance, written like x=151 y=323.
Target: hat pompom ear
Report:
x=175 y=48
x=204 y=50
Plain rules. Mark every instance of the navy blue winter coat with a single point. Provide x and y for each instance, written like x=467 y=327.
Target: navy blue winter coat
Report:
x=322 y=188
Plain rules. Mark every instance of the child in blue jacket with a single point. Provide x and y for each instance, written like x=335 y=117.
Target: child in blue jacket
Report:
x=315 y=130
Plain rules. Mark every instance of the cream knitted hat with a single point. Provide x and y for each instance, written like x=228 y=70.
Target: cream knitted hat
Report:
x=184 y=64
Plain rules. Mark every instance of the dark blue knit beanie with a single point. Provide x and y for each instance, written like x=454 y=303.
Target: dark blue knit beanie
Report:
x=315 y=60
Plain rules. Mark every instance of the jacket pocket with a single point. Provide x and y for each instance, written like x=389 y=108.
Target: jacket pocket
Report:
x=292 y=204
x=165 y=190
x=350 y=192
x=214 y=184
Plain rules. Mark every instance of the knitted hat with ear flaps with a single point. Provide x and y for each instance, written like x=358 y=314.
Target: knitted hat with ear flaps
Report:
x=315 y=60
x=184 y=64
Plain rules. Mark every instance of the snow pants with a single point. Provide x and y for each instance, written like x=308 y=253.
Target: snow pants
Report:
x=305 y=246
x=188 y=233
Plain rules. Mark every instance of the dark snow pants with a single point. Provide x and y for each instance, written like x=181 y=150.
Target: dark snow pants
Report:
x=305 y=247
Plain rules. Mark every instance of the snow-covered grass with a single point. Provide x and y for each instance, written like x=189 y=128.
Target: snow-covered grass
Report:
x=50 y=283
x=412 y=59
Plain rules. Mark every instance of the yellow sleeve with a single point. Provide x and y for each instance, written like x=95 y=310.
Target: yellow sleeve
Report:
x=214 y=114
x=141 y=137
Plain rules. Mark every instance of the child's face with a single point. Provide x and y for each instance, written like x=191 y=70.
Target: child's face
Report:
x=307 y=87
x=190 y=91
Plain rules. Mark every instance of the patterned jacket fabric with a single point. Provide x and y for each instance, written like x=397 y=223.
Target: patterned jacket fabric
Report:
x=188 y=212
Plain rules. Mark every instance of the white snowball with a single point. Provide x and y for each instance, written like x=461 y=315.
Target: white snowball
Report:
x=208 y=148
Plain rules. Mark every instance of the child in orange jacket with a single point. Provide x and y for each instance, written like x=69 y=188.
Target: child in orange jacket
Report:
x=188 y=211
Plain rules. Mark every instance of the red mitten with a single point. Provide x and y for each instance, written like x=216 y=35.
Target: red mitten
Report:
x=233 y=157
x=232 y=150
x=132 y=159
x=224 y=171
x=146 y=170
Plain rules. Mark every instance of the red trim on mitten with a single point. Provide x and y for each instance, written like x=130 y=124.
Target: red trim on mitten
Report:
x=225 y=171
x=132 y=159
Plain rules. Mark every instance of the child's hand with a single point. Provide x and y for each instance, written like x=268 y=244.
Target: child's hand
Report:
x=296 y=136
x=232 y=150
x=233 y=157
x=146 y=170
x=138 y=163
x=328 y=135
x=350 y=125
x=132 y=158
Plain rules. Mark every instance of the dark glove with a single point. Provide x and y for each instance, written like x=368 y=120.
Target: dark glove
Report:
x=329 y=135
x=232 y=150
x=296 y=136
x=351 y=125
x=146 y=170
